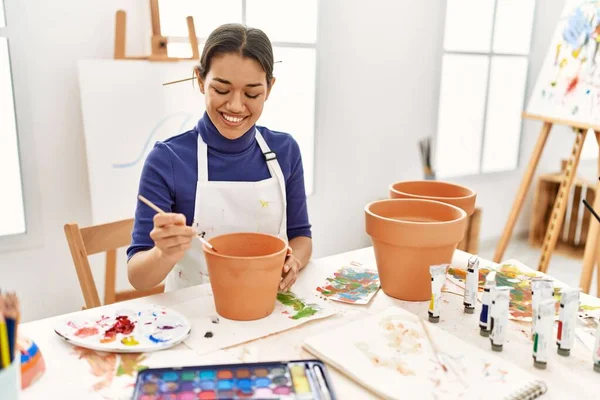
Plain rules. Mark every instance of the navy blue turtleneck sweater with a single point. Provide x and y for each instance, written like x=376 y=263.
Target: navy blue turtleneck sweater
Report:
x=170 y=175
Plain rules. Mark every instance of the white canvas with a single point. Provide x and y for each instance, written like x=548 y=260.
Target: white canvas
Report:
x=568 y=86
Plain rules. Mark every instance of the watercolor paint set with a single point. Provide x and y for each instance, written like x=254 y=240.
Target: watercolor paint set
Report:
x=293 y=380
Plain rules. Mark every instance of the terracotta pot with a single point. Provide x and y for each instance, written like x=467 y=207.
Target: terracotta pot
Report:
x=245 y=273
x=408 y=236
x=445 y=192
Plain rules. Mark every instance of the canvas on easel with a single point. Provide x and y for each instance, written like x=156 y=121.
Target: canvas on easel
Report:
x=567 y=92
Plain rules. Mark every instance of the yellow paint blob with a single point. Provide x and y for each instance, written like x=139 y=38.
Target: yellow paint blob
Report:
x=130 y=341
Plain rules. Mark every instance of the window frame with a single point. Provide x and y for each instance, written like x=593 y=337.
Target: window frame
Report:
x=490 y=54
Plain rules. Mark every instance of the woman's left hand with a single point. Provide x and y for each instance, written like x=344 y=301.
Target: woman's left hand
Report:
x=290 y=273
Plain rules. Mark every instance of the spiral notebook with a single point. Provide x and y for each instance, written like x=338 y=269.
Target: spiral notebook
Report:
x=390 y=354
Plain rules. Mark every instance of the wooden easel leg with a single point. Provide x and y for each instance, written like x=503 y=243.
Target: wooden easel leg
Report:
x=522 y=193
x=560 y=204
x=193 y=38
x=592 y=241
x=120 y=32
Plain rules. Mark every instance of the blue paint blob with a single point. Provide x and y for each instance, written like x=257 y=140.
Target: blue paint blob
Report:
x=155 y=339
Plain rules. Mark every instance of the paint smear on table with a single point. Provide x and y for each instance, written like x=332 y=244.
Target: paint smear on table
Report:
x=351 y=284
x=102 y=366
x=301 y=308
x=519 y=280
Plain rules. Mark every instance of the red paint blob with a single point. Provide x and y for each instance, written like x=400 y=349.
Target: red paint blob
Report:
x=123 y=325
x=86 y=332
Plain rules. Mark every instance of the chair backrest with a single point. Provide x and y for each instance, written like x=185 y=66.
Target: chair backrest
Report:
x=90 y=240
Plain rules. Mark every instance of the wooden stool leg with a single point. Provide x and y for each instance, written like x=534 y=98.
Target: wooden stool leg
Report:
x=522 y=193
x=592 y=242
x=560 y=204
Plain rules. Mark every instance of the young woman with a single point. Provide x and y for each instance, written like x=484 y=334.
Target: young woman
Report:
x=225 y=175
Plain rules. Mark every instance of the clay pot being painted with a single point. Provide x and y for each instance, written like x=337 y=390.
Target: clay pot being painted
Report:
x=408 y=236
x=245 y=272
x=445 y=192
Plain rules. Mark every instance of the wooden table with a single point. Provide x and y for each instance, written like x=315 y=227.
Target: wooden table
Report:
x=566 y=377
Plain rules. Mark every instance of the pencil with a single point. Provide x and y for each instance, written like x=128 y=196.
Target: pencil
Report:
x=4 y=348
x=11 y=314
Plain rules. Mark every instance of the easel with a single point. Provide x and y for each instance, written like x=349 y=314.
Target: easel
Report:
x=591 y=254
x=159 y=42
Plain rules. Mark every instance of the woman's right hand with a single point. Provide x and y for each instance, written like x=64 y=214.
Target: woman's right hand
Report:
x=171 y=236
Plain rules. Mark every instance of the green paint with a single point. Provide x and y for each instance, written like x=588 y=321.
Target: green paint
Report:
x=535 y=342
x=302 y=309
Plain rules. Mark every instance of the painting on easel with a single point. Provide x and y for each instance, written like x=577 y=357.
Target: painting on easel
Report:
x=568 y=86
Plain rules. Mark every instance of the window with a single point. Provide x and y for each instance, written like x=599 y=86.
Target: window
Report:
x=12 y=213
x=483 y=83
x=292 y=28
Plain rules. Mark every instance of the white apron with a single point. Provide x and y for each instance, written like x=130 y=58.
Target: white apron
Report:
x=228 y=207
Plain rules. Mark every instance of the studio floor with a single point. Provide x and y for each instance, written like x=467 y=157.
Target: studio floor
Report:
x=563 y=268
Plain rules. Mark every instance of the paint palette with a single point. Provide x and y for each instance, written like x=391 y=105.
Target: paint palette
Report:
x=298 y=380
x=127 y=331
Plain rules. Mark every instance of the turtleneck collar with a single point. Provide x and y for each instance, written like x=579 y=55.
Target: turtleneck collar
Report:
x=213 y=138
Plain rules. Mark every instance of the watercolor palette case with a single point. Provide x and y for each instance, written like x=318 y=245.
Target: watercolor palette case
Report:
x=293 y=380
x=149 y=328
x=390 y=354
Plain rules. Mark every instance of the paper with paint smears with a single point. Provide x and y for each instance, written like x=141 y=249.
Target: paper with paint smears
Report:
x=291 y=310
x=351 y=284
x=518 y=277
x=389 y=353
x=146 y=329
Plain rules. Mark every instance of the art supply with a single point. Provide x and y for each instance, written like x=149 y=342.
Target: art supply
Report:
x=351 y=284
x=293 y=380
x=596 y=352
x=499 y=320
x=541 y=289
x=569 y=304
x=471 y=285
x=425 y=148
x=591 y=210
x=393 y=359
x=438 y=277
x=486 y=303
x=543 y=333
x=158 y=210
x=144 y=329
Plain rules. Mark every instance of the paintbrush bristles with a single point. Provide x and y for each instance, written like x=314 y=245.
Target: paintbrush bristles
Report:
x=425 y=147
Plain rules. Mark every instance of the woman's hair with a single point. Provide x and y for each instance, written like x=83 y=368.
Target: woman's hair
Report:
x=237 y=39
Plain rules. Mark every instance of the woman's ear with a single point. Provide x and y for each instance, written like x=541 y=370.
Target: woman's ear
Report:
x=200 y=80
x=270 y=87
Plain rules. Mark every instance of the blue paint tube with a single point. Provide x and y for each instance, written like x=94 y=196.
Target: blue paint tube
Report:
x=486 y=303
x=499 y=319
x=471 y=285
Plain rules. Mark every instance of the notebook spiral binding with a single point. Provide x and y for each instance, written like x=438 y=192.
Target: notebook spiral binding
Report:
x=530 y=392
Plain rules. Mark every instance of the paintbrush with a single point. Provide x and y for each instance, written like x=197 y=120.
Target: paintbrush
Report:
x=158 y=210
x=192 y=78
x=591 y=210
x=433 y=346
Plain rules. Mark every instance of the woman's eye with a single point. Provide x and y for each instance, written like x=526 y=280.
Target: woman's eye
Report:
x=220 y=92
x=252 y=97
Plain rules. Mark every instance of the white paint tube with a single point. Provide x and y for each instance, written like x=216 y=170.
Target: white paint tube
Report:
x=541 y=289
x=486 y=304
x=596 y=352
x=438 y=277
x=499 y=319
x=569 y=305
x=543 y=332
x=471 y=285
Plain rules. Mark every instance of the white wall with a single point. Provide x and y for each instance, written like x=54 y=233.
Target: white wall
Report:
x=379 y=65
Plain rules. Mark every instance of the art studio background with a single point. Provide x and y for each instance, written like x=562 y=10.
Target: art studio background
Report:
x=378 y=89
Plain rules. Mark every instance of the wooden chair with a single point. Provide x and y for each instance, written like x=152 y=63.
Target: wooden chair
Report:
x=84 y=242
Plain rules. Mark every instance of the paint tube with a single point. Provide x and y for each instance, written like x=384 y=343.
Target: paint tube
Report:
x=541 y=289
x=438 y=277
x=499 y=317
x=569 y=304
x=486 y=303
x=596 y=352
x=543 y=332
x=471 y=285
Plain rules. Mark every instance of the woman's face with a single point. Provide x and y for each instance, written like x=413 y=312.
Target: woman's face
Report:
x=235 y=91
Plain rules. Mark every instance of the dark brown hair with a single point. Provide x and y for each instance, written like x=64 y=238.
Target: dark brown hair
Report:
x=237 y=39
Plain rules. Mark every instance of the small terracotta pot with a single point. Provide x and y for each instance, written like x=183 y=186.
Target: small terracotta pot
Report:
x=445 y=192
x=408 y=236
x=245 y=272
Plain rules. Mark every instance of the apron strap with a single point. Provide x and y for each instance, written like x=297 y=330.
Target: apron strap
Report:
x=202 y=160
x=275 y=170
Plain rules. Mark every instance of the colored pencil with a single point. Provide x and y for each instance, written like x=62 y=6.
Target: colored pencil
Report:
x=158 y=210
x=11 y=314
x=4 y=347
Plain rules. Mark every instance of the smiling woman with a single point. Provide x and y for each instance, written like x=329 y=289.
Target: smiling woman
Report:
x=225 y=175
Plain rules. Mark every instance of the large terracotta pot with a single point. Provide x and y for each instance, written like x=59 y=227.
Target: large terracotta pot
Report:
x=445 y=192
x=408 y=236
x=245 y=273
